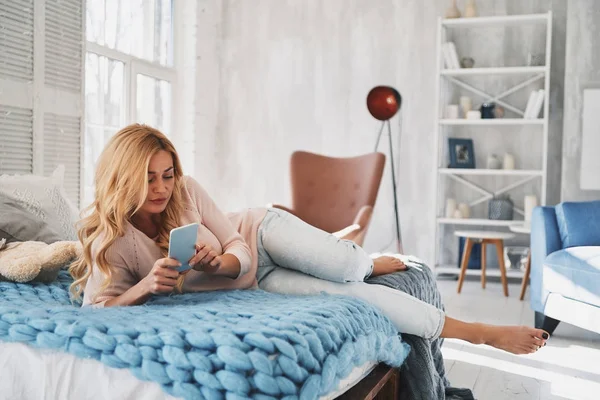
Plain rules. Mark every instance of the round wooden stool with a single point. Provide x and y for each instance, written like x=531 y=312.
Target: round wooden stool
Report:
x=485 y=238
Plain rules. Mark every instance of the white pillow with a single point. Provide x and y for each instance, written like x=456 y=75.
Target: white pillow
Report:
x=44 y=198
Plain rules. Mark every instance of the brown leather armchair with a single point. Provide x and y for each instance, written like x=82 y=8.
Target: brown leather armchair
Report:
x=336 y=195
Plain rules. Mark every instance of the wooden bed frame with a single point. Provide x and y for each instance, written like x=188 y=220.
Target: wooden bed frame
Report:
x=380 y=384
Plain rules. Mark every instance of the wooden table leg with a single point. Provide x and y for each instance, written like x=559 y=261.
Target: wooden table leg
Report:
x=483 y=244
x=526 y=276
x=500 y=254
x=465 y=262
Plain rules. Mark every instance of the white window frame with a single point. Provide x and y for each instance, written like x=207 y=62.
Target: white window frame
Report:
x=131 y=67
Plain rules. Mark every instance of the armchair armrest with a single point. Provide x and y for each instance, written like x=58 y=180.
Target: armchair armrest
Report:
x=357 y=231
x=545 y=239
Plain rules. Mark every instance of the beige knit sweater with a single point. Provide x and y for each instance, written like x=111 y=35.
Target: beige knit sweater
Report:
x=133 y=255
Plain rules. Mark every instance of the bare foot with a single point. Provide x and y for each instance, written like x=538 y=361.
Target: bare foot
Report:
x=514 y=339
x=386 y=265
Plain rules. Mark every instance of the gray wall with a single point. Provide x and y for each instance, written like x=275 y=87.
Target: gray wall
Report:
x=275 y=76
x=582 y=69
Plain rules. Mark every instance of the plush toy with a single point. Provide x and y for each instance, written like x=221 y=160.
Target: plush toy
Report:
x=35 y=261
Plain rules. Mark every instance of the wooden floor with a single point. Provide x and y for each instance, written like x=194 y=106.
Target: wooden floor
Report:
x=567 y=368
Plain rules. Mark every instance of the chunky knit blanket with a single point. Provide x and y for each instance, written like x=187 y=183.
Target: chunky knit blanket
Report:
x=227 y=344
x=423 y=376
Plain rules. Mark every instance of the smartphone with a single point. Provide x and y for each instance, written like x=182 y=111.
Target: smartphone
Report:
x=182 y=245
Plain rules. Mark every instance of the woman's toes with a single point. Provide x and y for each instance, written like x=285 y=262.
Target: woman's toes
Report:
x=540 y=333
x=539 y=342
x=534 y=348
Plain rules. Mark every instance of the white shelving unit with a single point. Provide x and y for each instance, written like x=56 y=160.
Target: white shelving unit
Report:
x=537 y=128
x=499 y=19
x=451 y=269
x=475 y=221
x=497 y=172
x=493 y=71
x=492 y=122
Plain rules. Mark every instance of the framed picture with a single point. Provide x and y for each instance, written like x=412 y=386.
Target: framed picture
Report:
x=461 y=153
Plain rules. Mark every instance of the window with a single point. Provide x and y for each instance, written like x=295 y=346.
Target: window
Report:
x=128 y=72
x=155 y=109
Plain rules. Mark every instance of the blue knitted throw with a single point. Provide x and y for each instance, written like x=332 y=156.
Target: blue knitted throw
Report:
x=243 y=344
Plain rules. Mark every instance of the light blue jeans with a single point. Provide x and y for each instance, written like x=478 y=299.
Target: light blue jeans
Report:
x=297 y=258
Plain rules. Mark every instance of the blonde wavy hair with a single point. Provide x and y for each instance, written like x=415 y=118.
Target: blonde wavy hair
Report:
x=121 y=182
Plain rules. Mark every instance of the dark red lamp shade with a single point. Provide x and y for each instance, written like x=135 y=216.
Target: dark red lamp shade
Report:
x=383 y=102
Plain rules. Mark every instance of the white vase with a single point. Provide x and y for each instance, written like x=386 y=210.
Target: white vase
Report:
x=453 y=11
x=493 y=162
x=465 y=105
x=452 y=111
x=470 y=9
x=464 y=209
x=509 y=161
x=450 y=208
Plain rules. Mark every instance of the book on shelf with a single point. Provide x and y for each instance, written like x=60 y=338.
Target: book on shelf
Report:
x=450 y=56
x=534 y=104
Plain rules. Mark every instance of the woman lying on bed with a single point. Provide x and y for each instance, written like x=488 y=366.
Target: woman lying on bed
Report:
x=141 y=194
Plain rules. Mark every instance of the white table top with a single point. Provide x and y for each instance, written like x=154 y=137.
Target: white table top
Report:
x=521 y=228
x=484 y=234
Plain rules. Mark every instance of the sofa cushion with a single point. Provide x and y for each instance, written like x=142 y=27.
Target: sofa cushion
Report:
x=579 y=223
x=574 y=273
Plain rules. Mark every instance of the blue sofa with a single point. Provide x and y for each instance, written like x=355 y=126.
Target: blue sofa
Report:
x=565 y=265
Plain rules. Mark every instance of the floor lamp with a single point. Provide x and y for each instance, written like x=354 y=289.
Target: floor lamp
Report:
x=383 y=103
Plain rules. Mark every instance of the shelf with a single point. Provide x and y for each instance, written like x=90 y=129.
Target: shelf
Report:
x=499 y=19
x=477 y=222
x=454 y=270
x=493 y=121
x=493 y=71
x=515 y=79
x=482 y=171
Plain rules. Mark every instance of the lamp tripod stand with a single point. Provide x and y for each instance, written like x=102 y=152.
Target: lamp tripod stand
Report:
x=397 y=217
x=383 y=103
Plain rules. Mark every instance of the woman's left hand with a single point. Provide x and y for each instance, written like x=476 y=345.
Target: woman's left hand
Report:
x=206 y=259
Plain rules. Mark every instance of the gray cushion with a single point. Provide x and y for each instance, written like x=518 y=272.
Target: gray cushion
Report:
x=36 y=208
x=19 y=225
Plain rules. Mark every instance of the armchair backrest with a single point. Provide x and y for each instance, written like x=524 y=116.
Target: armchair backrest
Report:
x=328 y=192
x=579 y=223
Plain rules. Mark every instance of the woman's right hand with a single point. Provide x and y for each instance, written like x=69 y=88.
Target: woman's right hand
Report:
x=163 y=276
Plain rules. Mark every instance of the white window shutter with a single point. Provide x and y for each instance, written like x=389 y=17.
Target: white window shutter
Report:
x=62 y=143
x=16 y=40
x=63 y=78
x=16 y=74
x=16 y=140
x=64 y=36
x=41 y=88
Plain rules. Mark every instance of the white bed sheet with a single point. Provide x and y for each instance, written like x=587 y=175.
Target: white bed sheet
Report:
x=28 y=373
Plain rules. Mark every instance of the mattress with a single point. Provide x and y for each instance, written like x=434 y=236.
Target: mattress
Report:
x=32 y=373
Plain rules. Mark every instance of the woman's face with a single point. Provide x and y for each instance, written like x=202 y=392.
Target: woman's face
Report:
x=160 y=183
